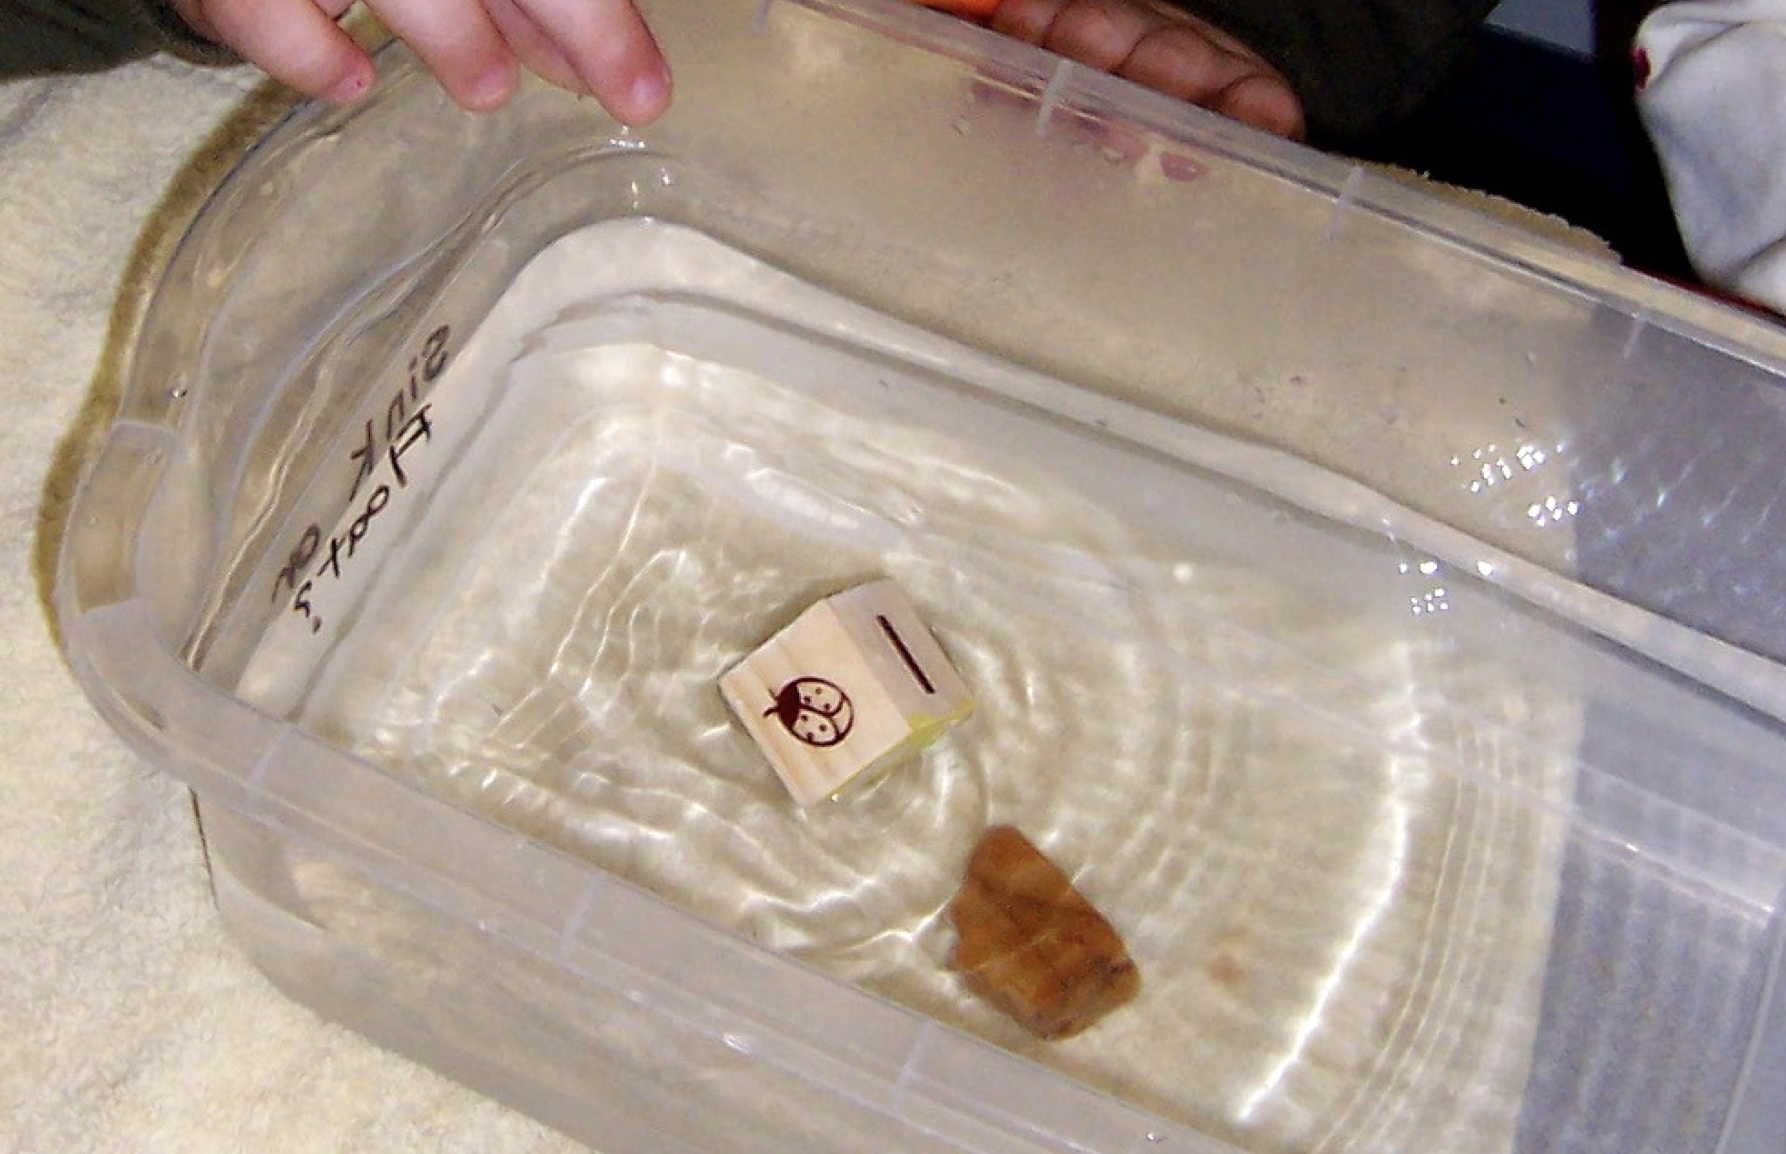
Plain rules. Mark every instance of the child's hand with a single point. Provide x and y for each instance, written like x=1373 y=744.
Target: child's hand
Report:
x=1163 y=48
x=473 y=47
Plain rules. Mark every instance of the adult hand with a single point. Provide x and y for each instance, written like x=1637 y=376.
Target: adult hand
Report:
x=475 y=48
x=1163 y=48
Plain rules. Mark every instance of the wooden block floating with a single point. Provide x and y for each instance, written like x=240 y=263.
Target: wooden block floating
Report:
x=855 y=686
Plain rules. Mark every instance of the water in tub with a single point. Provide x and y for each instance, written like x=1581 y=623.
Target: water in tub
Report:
x=1293 y=764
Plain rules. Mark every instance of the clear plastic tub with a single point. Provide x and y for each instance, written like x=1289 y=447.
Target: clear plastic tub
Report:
x=1373 y=606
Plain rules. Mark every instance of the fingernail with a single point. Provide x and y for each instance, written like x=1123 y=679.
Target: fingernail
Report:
x=650 y=92
x=353 y=85
x=492 y=90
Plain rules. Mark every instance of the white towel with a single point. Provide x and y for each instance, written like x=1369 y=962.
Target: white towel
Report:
x=1714 y=103
x=129 y=1020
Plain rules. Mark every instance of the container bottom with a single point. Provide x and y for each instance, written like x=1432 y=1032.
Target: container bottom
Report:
x=588 y=1060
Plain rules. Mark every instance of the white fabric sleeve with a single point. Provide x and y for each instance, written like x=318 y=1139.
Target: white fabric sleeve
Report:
x=1712 y=95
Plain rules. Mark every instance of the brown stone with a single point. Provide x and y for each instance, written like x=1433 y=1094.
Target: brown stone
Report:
x=1030 y=943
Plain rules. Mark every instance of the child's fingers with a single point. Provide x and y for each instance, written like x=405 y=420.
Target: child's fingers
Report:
x=611 y=50
x=1097 y=33
x=1026 y=20
x=1265 y=102
x=1184 y=62
x=1162 y=48
x=460 y=45
x=294 y=41
x=530 y=42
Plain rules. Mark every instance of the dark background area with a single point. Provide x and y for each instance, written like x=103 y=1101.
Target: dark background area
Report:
x=1556 y=129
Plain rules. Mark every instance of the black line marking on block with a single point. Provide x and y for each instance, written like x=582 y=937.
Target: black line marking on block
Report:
x=905 y=654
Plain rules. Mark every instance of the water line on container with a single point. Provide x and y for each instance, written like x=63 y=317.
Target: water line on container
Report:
x=1051 y=96
x=1640 y=320
x=573 y=925
x=1348 y=196
x=914 y=1057
x=1731 y=1137
x=254 y=785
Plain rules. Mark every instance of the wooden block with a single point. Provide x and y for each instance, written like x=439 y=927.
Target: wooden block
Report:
x=856 y=685
x=1030 y=943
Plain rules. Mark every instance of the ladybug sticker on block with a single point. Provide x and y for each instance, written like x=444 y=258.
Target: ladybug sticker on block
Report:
x=855 y=686
x=814 y=710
